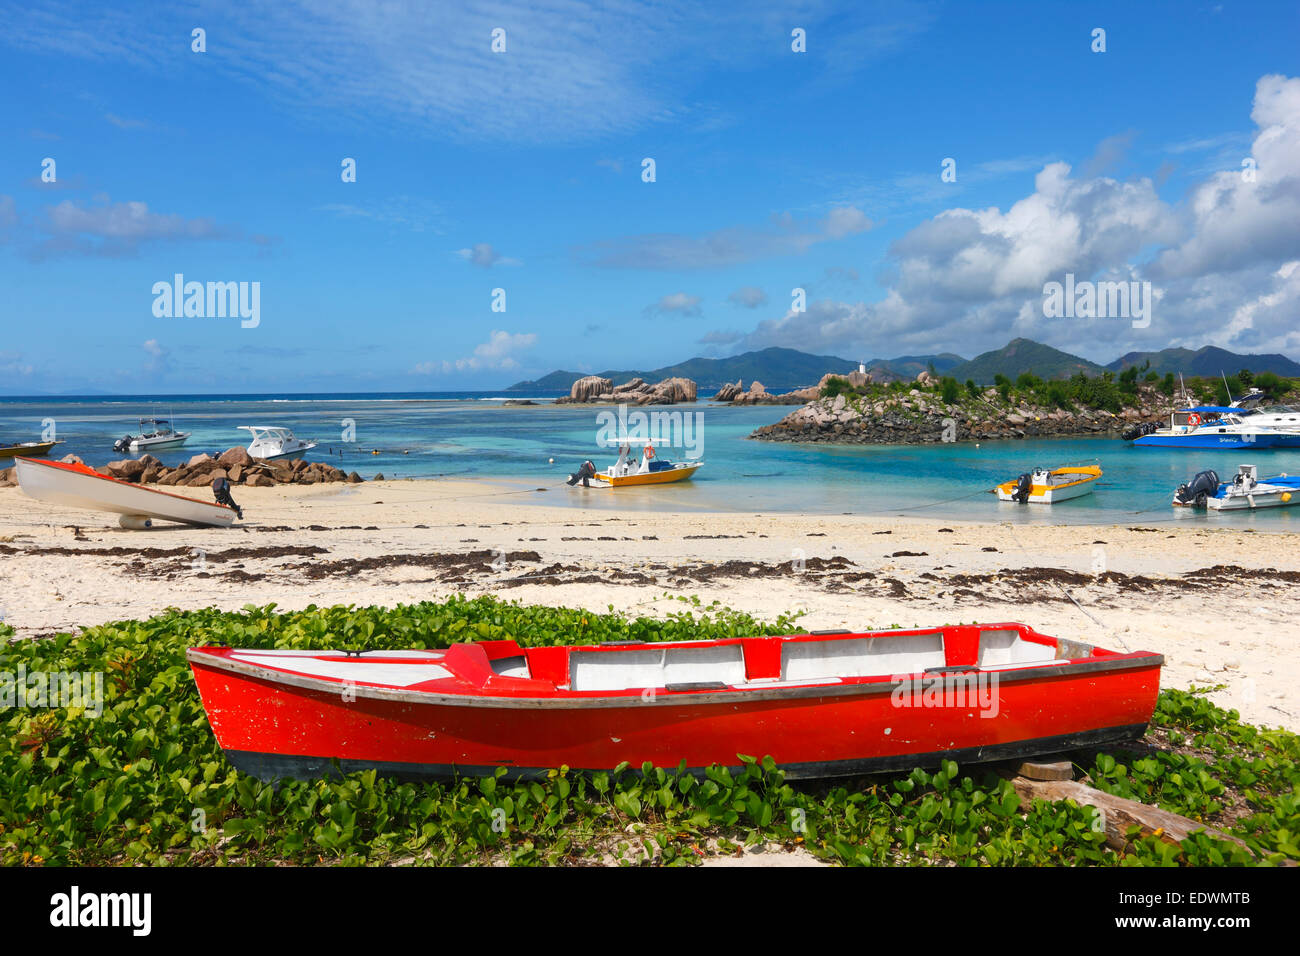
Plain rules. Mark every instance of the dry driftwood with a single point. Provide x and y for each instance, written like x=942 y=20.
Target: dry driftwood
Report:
x=1118 y=813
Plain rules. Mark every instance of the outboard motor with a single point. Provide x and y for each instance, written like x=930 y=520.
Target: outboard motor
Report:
x=1023 y=486
x=1137 y=431
x=584 y=474
x=123 y=444
x=1199 y=489
x=221 y=491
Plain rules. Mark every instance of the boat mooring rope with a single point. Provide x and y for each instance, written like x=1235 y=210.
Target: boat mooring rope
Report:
x=1110 y=631
x=947 y=501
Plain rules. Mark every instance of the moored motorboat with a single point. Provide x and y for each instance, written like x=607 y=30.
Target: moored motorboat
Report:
x=79 y=486
x=156 y=434
x=28 y=449
x=649 y=470
x=1246 y=491
x=270 y=442
x=1050 y=485
x=1218 y=426
x=821 y=705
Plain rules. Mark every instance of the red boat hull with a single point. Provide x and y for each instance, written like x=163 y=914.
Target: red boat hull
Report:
x=271 y=729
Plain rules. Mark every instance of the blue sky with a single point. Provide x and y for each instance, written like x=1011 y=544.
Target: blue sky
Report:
x=522 y=171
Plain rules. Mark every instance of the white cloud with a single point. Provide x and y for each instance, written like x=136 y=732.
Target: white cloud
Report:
x=123 y=123
x=678 y=302
x=482 y=254
x=115 y=229
x=749 y=297
x=1222 y=262
x=569 y=71
x=784 y=236
x=11 y=364
x=496 y=353
x=416 y=214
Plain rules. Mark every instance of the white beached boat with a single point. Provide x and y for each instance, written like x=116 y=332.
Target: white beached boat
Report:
x=272 y=442
x=79 y=486
x=1048 y=486
x=1246 y=491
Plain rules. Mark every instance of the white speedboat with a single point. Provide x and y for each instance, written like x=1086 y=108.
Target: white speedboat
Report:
x=156 y=434
x=271 y=442
x=79 y=486
x=1246 y=491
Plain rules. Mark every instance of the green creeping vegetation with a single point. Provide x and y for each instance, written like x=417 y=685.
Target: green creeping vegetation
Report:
x=145 y=783
x=1108 y=392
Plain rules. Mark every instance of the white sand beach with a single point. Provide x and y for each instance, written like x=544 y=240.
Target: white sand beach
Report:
x=1222 y=605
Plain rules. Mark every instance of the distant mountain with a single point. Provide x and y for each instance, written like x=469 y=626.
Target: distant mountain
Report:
x=778 y=369
x=1208 y=361
x=1019 y=356
x=784 y=369
x=910 y=366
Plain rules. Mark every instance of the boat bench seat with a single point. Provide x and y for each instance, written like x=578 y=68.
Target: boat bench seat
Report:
x=862 y=657
x=657 y=667
x=1008 y=647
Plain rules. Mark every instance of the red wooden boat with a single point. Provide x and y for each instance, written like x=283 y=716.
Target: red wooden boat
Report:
x=821 y=704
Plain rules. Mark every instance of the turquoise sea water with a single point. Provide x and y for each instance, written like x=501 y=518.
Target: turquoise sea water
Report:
x=477 y=436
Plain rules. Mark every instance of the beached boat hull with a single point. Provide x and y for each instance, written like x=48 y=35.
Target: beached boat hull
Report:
x=295 y=714
x=78 y=486
x=30 y=450
x=675 y=473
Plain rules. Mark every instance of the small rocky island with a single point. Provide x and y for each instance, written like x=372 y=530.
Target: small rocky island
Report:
x=594 y=389
x=931 y=409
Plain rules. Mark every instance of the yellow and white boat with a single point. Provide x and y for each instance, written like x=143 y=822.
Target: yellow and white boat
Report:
x=1048 y=486
x=650 y=470
x=28 y=449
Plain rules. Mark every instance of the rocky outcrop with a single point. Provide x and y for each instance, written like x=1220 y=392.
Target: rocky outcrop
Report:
x=671 y=391
x=587 y=389
x=758 y=395
x=729 y=392
x=235 y=465
x=918 y=417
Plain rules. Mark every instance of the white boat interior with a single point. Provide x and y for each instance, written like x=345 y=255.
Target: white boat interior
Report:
x=629 y=464
x=801 y=661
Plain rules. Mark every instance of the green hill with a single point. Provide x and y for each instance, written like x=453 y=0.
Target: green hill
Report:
x=1208 y=362
x=910 y=366
x=1019 y=356
x=778 y=369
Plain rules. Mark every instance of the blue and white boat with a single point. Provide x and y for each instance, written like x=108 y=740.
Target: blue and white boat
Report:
x=1246 y=491
x=1221 y=426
